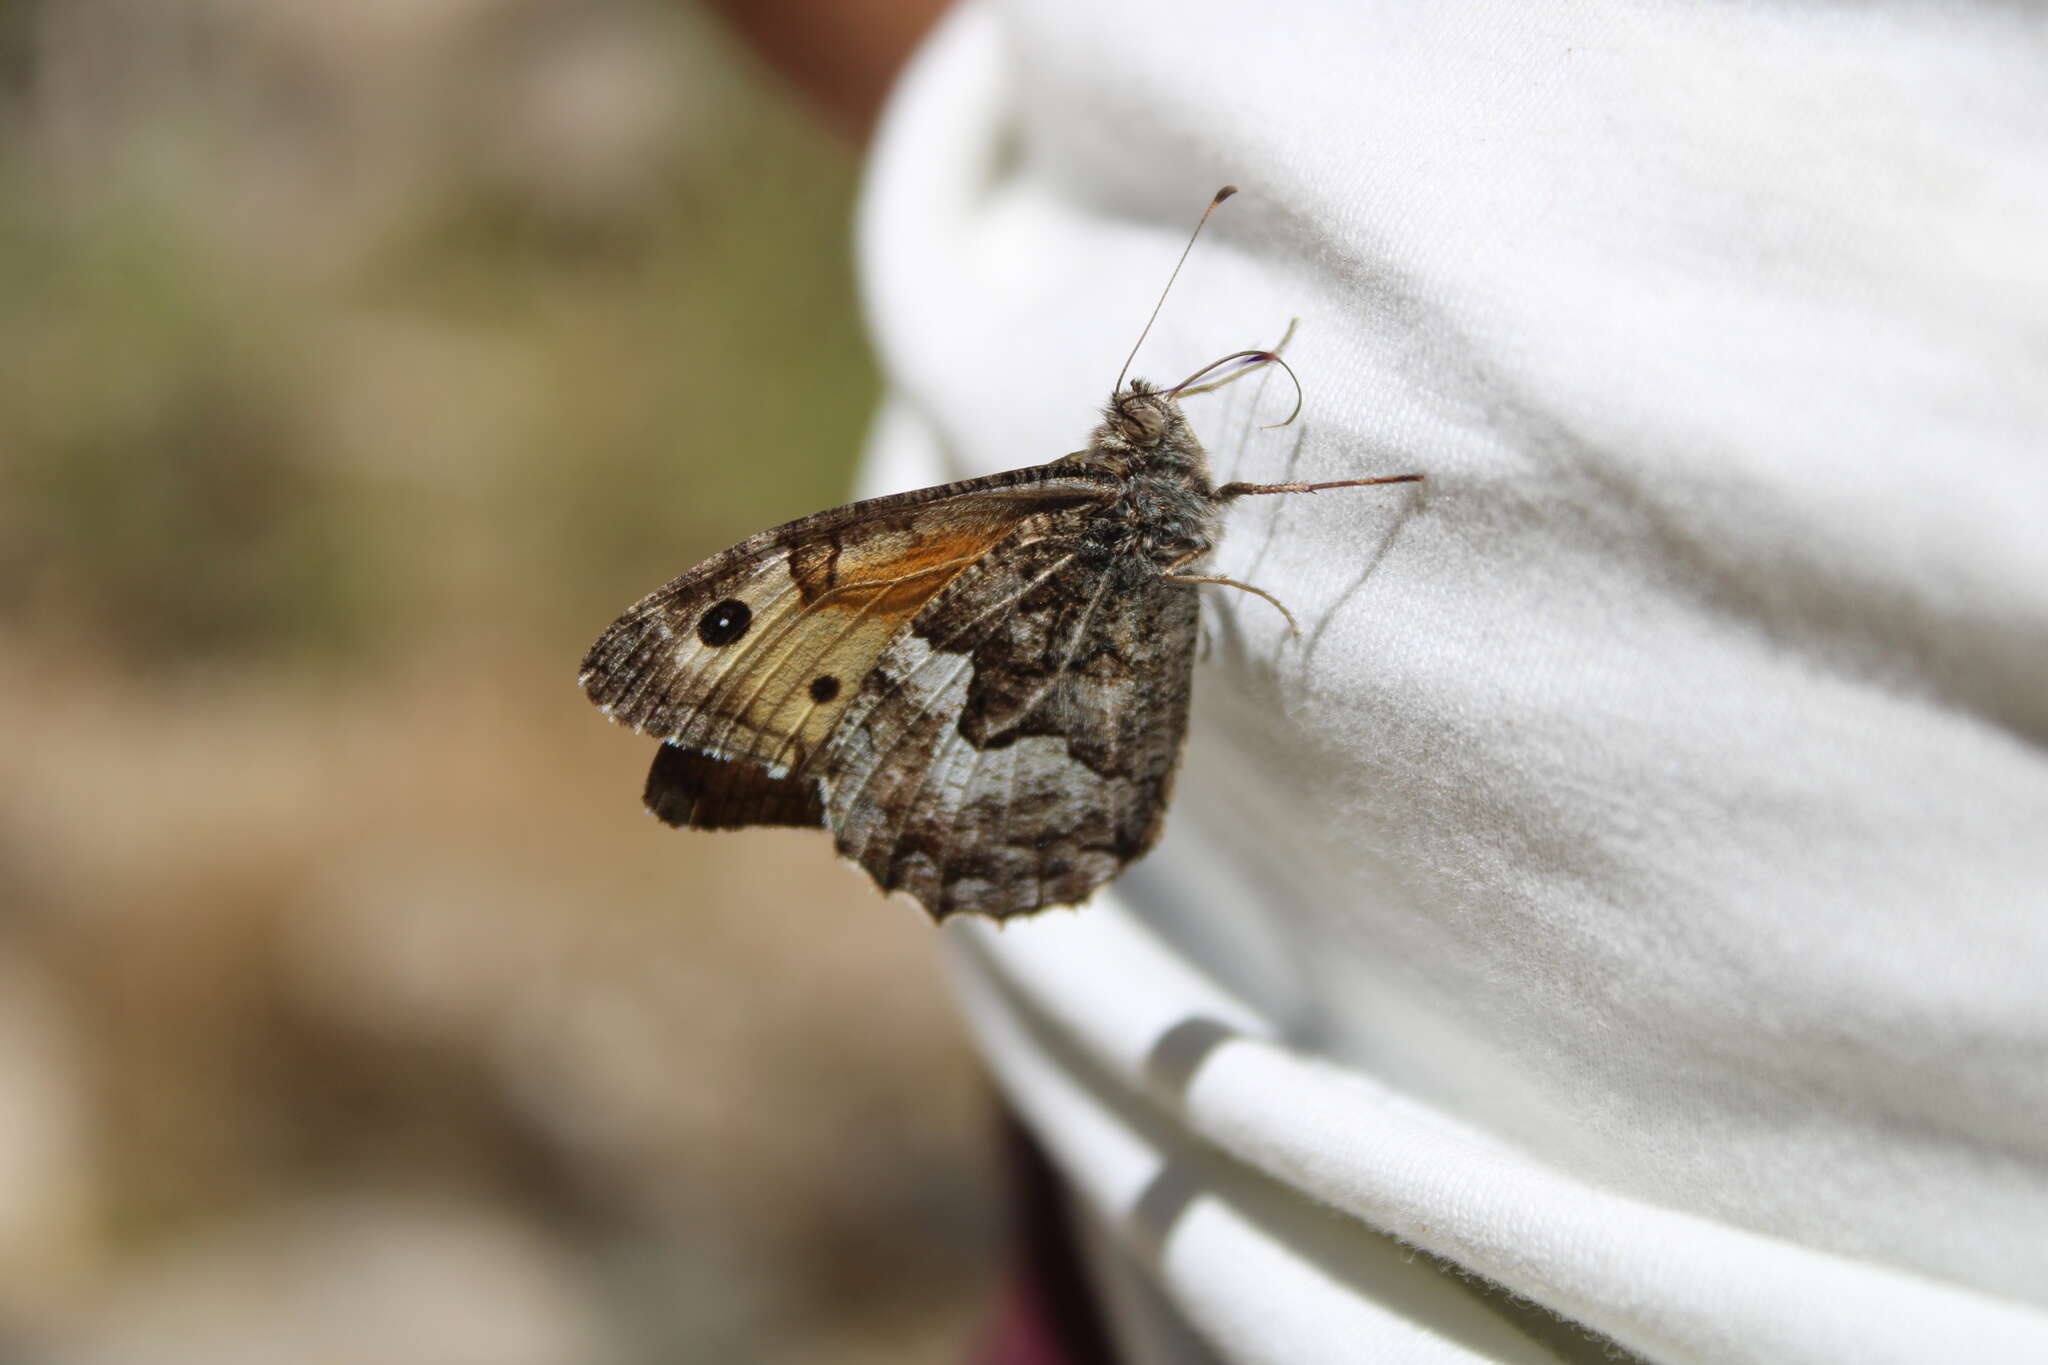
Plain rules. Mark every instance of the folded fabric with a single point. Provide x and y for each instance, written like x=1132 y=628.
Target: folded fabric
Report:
x=1625 y=906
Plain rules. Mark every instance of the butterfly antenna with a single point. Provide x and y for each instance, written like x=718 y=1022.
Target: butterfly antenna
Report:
x=1221 y=195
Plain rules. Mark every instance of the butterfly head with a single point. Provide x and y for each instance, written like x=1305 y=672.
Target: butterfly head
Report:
x=1143 y=432
x=1140 y=420
x=1140 y=416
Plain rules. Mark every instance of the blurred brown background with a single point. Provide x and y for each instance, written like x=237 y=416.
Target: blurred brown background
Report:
x=358 y=362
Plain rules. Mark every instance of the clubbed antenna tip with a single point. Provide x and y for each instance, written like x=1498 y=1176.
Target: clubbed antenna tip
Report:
x=1221 y=195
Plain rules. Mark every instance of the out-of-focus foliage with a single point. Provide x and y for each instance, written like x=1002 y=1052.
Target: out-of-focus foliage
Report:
x=323 y=306
x=357 y=363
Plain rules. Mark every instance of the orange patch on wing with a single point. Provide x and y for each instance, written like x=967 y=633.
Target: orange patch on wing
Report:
x=893 y=576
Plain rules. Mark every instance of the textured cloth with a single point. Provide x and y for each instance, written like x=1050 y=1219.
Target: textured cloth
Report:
x=1627 y=901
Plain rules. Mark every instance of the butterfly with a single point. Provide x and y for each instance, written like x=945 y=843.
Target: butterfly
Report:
x=981 y=689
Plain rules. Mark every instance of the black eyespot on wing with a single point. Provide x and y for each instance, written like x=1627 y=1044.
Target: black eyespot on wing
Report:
x=725 y=623
x=824 y=688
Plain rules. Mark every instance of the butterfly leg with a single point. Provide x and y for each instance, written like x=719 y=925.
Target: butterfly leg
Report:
x=1171 y=576
x=1239 y=490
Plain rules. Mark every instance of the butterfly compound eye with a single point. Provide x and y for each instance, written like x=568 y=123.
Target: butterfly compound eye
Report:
x=1140 y=421
x=724 y=623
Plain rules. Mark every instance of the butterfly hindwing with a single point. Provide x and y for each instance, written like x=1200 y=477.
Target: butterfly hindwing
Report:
x=1015 y=748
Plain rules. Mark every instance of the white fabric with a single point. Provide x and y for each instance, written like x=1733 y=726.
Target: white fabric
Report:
x=1633 y=886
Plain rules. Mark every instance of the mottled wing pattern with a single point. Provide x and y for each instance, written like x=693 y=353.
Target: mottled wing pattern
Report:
x=1015 y=748
x=752 y=657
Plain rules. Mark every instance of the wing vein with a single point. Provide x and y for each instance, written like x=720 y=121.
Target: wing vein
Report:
x=853 y=718
x=769 y=676
x=731 y=668
x=882 y=758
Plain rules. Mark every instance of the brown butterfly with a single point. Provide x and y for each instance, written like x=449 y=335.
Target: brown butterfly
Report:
x=981 y=688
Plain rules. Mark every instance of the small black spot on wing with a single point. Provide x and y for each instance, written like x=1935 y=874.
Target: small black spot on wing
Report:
x=725 y=623
x=824 y=688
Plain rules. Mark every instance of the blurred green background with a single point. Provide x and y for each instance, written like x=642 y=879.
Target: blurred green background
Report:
x=358 y=363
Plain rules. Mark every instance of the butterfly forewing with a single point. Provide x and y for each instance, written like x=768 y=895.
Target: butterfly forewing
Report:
x=693 y=789
x=755 y=653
